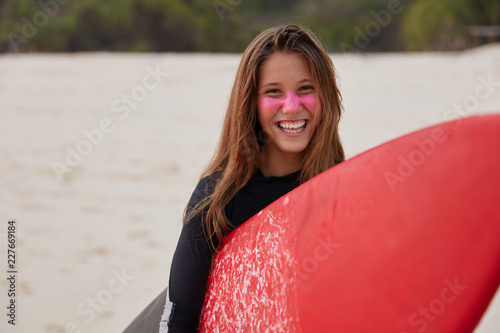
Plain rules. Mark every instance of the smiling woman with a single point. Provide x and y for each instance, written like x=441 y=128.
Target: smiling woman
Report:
x=280 y=130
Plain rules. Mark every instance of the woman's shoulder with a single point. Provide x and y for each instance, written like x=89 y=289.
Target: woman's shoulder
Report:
x=207 y=183
x=204 y=188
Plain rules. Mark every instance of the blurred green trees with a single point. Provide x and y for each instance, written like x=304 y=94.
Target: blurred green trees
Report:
x=446 y=24
x=229 y=25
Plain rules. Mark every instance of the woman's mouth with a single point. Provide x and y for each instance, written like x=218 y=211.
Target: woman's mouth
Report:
x=292 y=127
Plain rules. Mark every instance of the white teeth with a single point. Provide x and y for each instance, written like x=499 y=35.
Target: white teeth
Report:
x=292 y=124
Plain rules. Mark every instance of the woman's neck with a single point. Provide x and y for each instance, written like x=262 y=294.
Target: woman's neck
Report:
x=272 y=164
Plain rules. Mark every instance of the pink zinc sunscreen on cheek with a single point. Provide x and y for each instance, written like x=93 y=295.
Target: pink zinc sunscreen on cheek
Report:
x=289 y=103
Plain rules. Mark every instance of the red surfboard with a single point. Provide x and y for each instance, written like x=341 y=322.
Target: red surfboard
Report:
x=402 y=238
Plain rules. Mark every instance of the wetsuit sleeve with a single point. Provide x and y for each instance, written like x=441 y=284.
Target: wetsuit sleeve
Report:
x=190 y=268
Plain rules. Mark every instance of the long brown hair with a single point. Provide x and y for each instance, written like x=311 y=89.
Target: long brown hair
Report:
x=236 y=158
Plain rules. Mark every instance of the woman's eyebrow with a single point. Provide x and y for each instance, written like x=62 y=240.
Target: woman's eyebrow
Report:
x=274 y=84
x=270 y=84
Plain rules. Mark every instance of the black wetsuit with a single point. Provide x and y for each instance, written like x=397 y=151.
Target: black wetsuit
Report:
x=192 y=258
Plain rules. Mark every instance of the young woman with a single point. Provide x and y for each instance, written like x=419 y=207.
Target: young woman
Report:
x=280 y=129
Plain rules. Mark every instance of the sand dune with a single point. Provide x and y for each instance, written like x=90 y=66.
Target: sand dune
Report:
x=97 y=180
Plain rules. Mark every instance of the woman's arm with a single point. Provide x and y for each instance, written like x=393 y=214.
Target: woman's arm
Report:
x=190 y=268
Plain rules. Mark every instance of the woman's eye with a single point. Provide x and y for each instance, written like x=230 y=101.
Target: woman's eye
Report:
x=273 y=91
x=306 y=88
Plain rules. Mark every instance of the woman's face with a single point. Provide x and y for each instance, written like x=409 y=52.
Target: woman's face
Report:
x=288 y=104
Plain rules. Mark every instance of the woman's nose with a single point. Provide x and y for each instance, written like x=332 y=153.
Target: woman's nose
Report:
x=291 y=102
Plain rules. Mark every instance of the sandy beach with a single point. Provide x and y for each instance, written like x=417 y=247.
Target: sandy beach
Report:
x=101 y=151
